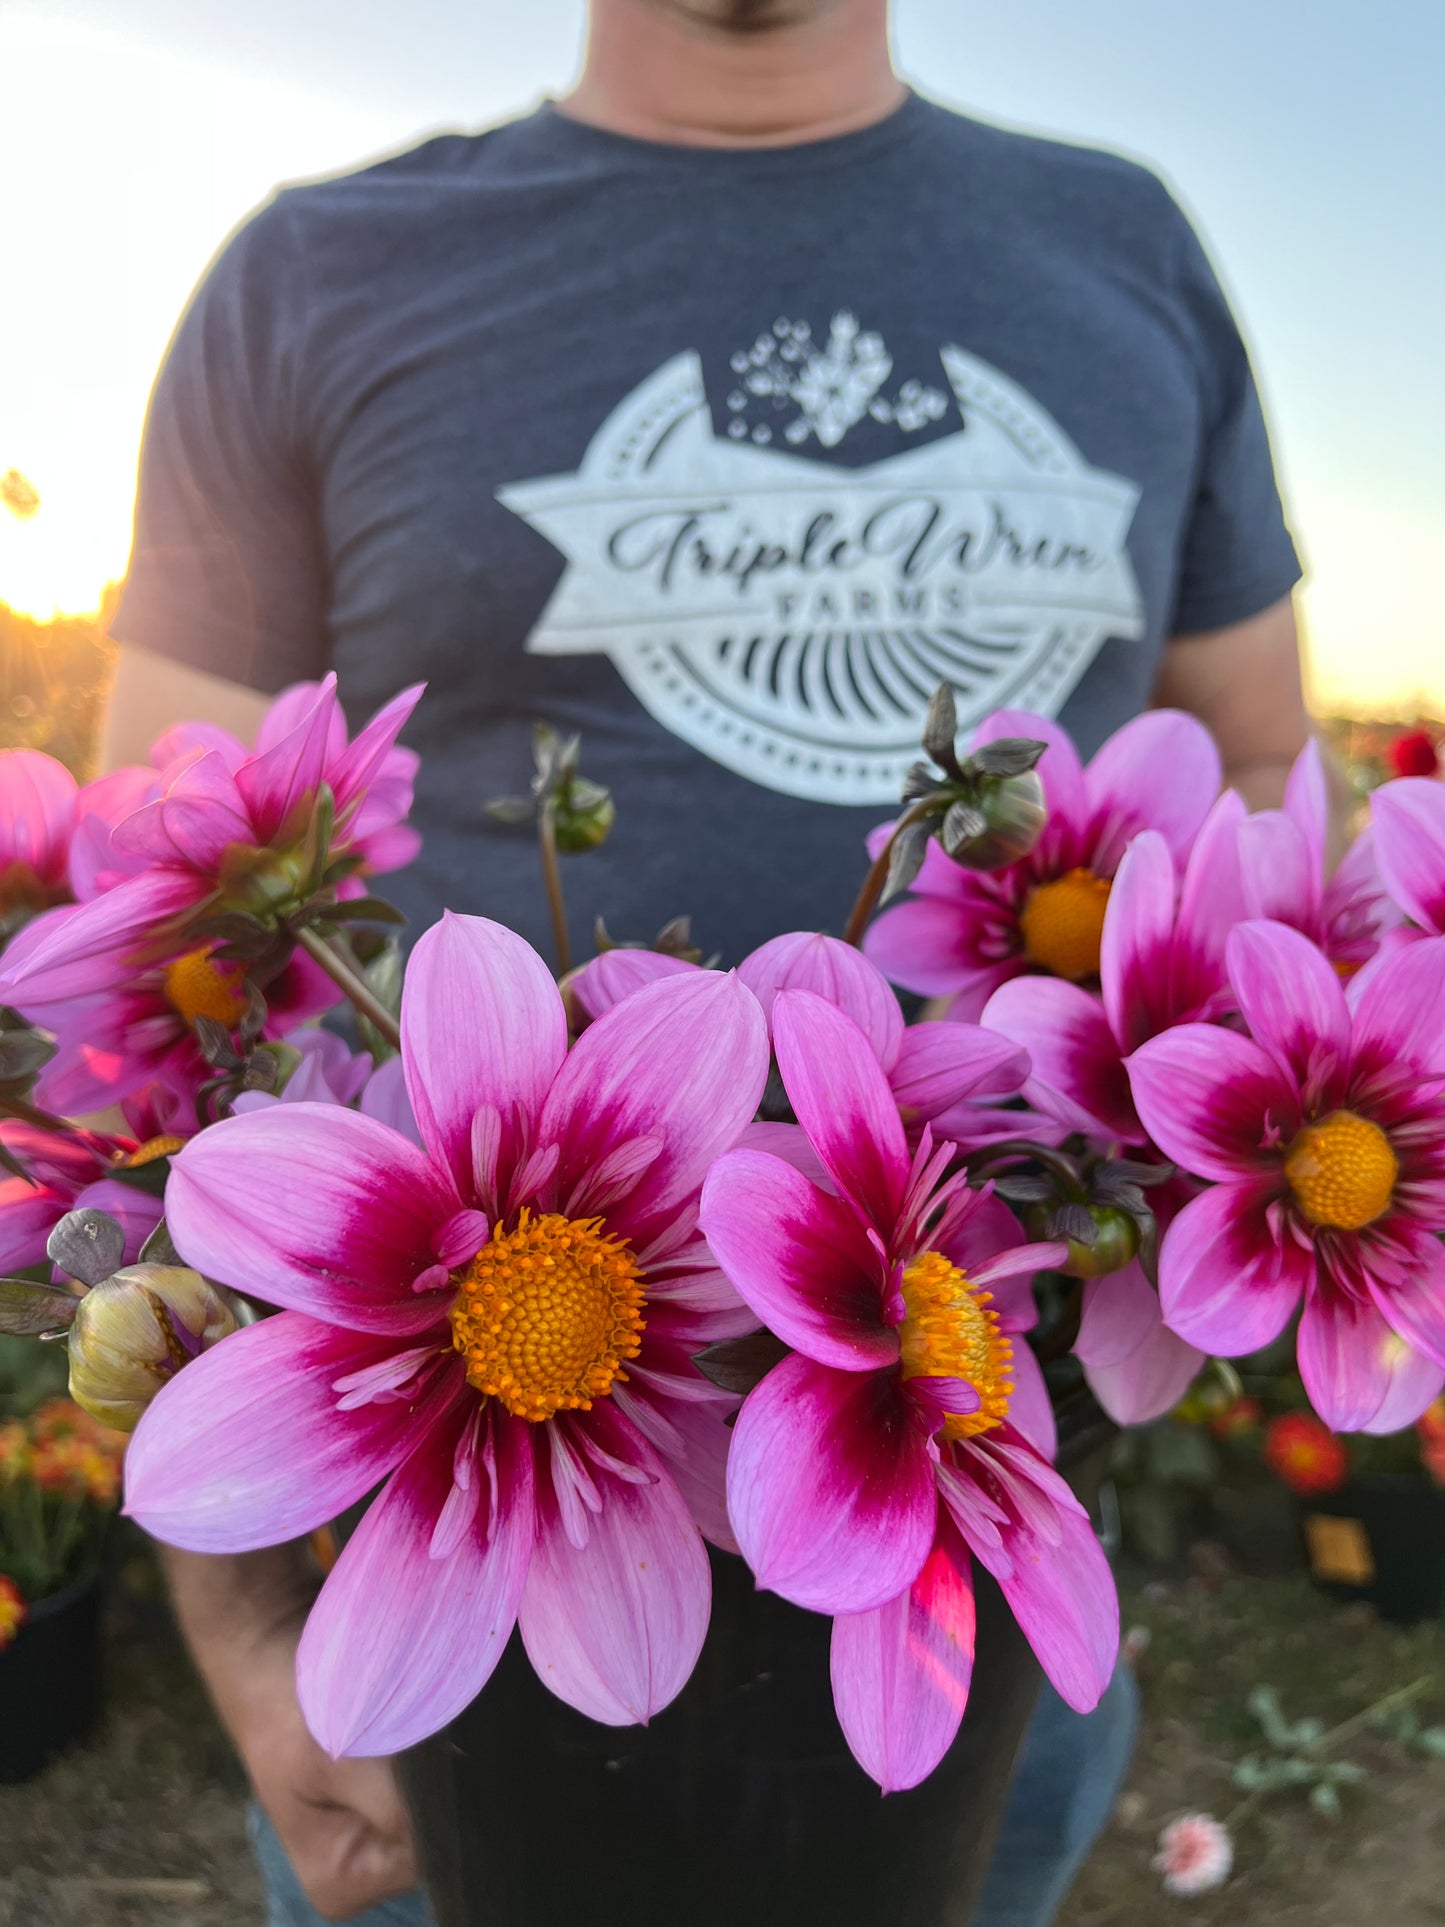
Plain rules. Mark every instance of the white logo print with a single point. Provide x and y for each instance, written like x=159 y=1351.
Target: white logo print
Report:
x=790 y=618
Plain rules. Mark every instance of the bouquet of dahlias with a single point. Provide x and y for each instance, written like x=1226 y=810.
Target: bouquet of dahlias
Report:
x=570 y=1280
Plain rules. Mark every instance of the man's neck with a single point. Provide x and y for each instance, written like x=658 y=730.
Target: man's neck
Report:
x=655 y=74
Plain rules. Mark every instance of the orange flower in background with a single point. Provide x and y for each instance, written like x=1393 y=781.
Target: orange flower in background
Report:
x=14 y=1451
x=1430 y=1429
x=64 y=1450
x=12 y=1611
x=1243 y=1416
x=1304 y=1454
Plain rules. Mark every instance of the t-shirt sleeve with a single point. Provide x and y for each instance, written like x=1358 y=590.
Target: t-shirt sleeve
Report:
x=227 y=571
x=1238 y=556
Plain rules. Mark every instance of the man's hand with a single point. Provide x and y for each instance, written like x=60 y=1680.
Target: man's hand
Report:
x=342 y=1822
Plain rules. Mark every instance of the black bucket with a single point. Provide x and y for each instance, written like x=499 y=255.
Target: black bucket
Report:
x=50 y=1678
x=1380 y=1539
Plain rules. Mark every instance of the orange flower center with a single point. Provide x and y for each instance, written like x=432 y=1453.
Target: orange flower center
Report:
x=546 y=1314
x=1342 y=1172
x=1063 y=924
x=198 y=984
x=951 y=1332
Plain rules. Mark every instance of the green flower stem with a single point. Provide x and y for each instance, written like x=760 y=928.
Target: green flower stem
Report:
x=342 y=973
x=552 y=878
x=866 y=901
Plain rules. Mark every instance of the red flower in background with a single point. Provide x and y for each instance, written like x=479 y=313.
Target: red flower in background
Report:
x=1237 y=1420
x=1307 y=1457
x=12 y=1611
x=1413 y=753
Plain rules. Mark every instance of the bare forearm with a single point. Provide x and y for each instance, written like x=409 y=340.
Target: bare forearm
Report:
x=234 y=1607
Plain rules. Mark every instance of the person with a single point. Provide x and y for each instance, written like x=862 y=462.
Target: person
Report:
x=718 y=411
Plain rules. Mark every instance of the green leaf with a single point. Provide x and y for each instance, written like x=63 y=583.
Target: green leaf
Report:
x=1010 y=756
x=158 y=1249
x=511 y=809
x=1432 y=1742
x=362 y=910
x=34 y=1311
x=1325 y=1800
x=940 y=728
x=905 y=859
x=738 y=1364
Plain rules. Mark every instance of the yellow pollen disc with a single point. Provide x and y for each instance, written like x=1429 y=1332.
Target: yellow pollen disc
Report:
x=200 y=985
x=546 y=1314
x=951 y=1332
x=153 y=1149
x=1342 y=1172
x=1063 y=924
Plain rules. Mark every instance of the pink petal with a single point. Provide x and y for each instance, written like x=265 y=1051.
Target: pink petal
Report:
x=840 y=1096
x=616 y=974
x=1416 y=1308
x=28 y=1215
x=1291 y=998
x=1135 y=1366
x=188 y=742
x=359 y=766
x=682 y=1062
x=1134 y=957
x=830 y=1487
x=1409 y=821
x=1226 y=1282
x=1031 y=1408
x=901 y=1673
x=246 y=1446
x=939 y=1065
x=316 y=1208
x=482 y=1022
x=401 y=1639
x=614 y=1627
x=94 y=946
x=1077 y=1074
x=1058 y=1584
x=801 y=1260
x=1211 y=902
x=807 y=960
x=1349 y=1360
x=929 y=945
x=277 y=784
x=295 y=705
x=194 y=821
x=37 y=812
x=692 y=1440
x=100 y=806
x=1278 y=874
x=1397 y=1008
x=385 y=1099
x=1160 y=771
x=1307 y=803
x=1216 y=1103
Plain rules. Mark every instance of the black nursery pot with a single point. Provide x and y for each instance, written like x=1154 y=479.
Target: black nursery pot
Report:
x=1381 y=1539
x=739 y=1804
x=50 y=1680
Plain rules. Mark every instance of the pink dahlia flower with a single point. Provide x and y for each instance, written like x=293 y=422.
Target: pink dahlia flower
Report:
x=499 y=1325
x=1408 y=818
x=222 y=828
x=953 y=1076
x=891 y=1447
x=1161 y=963
x=1195 y=1855
x=66 y=1174
x=37 y=820
x=965 y=932
x=1323 y=1136
x=1284 y=874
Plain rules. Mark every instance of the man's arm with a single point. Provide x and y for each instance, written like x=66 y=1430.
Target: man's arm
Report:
x=1244 y=685
x=342 y=1822
x=151 y=693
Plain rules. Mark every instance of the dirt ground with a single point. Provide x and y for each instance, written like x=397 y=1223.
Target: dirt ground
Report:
x=145 y=1828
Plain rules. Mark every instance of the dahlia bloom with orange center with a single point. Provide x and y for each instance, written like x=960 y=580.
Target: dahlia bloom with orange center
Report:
x=1322 y=1136
x=497 y=1326
x=907 y=1433
x=964 y=932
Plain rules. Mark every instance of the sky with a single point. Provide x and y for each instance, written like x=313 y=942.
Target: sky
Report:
x=1305 y=136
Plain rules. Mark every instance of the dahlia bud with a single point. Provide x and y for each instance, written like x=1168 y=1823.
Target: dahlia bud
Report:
x=580 y=812
x=1101 y=1238
x=582 y=815
x=135 y=1330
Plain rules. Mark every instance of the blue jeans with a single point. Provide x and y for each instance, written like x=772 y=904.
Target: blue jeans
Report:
x=1067 y=1782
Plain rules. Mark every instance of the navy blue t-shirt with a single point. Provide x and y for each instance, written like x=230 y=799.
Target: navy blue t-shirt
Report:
x=723 y=458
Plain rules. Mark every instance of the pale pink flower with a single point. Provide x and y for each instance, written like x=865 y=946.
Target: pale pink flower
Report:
x=1195 y=1855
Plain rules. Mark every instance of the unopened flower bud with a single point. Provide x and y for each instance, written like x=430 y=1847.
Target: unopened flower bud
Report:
x=1101 y=1238
x=134 y=1331
x=999 y=824
x=583 y=815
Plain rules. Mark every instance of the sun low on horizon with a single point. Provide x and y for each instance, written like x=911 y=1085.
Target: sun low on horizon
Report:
x=107 y=235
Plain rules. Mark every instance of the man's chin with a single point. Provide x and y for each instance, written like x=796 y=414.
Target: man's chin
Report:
x=746 y=16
